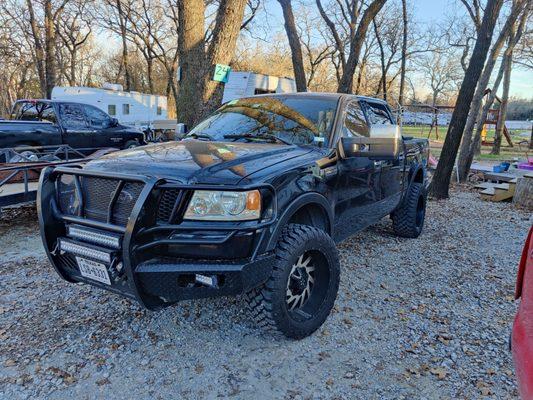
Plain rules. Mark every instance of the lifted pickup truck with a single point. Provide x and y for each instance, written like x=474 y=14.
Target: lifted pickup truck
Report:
x=251 y=201
x=45 y=122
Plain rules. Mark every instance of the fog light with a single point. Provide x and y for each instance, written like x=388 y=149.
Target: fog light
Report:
x=210 y=281
x=83 y=251
x=93 y=236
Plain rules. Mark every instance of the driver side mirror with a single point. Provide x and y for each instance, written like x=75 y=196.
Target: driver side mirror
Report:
x=113 y=123
x=383 y=142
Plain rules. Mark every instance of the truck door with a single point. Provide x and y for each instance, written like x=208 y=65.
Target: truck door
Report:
x=357 y=188
x=392 y=170
x=76 y=132
x=104 y=134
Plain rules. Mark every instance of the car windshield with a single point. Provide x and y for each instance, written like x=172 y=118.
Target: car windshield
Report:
x=283 y=119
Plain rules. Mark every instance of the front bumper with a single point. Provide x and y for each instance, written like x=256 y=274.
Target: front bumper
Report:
x=152 y=262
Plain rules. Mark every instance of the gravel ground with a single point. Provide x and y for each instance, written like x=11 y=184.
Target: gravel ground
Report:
x=415 y=319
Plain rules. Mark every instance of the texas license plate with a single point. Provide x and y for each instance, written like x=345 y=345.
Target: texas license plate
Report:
x=93 y=270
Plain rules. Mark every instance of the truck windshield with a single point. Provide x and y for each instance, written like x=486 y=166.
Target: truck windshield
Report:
x=34 y=111
x=284 y=119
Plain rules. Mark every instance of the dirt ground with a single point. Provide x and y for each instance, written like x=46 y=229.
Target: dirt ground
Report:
x=415 y=319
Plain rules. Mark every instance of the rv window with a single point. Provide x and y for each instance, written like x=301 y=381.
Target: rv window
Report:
x=125 y=109
x=112 y=109
x=97 y=118
x=159 y=110
x=72 y=116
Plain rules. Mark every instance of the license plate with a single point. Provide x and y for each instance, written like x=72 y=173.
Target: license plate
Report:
x=93 y=270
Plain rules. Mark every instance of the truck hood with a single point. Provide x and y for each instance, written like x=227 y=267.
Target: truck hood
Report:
x=197 y=161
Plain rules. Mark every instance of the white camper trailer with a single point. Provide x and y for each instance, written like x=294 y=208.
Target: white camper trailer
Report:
x=244 y=84
x=130 y=108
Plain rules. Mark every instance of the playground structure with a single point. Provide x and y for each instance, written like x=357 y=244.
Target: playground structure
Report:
x=493 y=117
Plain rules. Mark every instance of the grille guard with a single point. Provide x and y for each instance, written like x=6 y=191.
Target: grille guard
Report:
x=52 y=220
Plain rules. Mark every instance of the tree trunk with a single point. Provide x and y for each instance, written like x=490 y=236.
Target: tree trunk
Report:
x=500 y=126
x=506 y=31
x=475 y=147
x=356 y=43
x=404 y=56
x=191 y=48
x=199 y=95
x=382 y=85
x=39 y=50
x=125 y=54
x=50 y=48
x=296 y=47
x=221 y=50
x=441 y=179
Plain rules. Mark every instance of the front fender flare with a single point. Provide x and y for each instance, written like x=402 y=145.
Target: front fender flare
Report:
x=311 y=198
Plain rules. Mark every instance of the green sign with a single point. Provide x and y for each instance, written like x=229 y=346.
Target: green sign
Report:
x=221 y=73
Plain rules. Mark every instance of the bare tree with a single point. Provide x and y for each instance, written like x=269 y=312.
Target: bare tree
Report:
x=198 y=94
x=442 y=72
x=403 y=67
x=466 y=153
x=295 y=44
x=74 y=29
x=355 y=22
x=315 y=46
x=515 y=36
x=114 y=16
x=441 y=179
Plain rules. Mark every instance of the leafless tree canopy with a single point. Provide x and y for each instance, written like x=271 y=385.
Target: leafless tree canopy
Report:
x=370 y=47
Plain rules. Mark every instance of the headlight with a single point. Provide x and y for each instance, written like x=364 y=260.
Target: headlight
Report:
x=68 y=195
x=224 y=206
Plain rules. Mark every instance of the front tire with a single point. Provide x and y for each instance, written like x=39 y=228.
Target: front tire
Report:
x=131 y=144
x=300 y=293
x=408 y=218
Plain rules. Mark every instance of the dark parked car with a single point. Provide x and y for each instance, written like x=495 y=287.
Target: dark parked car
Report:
x=252 y=201
x=522 y=338
x=46 y=122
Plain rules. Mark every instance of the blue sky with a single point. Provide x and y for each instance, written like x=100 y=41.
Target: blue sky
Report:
x=429 y=12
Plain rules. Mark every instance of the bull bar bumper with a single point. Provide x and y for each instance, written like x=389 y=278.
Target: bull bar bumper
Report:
x=134 y=253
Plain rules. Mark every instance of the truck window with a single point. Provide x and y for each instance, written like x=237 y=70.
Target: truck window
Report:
x=125 y=109
x=112 y=109
x=97 y=118
x=34 y=111
x=354 y=122
x=72 y=116
x=378 y=114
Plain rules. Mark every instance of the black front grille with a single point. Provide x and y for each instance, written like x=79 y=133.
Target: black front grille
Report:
x=167 y=203
x=98 y=193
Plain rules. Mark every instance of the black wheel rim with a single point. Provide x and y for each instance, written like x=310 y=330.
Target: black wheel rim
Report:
x=307 y=285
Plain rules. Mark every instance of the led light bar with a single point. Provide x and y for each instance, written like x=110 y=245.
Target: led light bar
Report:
x=83 y=251
x=92 y=236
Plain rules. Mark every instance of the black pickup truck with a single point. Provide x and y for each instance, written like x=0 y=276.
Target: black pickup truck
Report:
x=251 y=201
x=45 y=123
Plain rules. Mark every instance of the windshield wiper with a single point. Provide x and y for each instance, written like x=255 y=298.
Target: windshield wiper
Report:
x=200 y=135
x=267 y=136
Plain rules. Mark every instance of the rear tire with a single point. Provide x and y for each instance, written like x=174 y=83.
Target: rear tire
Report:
x=408 y=218
x=300 y=293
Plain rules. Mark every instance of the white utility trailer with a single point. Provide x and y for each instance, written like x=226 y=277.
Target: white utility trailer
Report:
x=244 y=84
x=130 y=108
